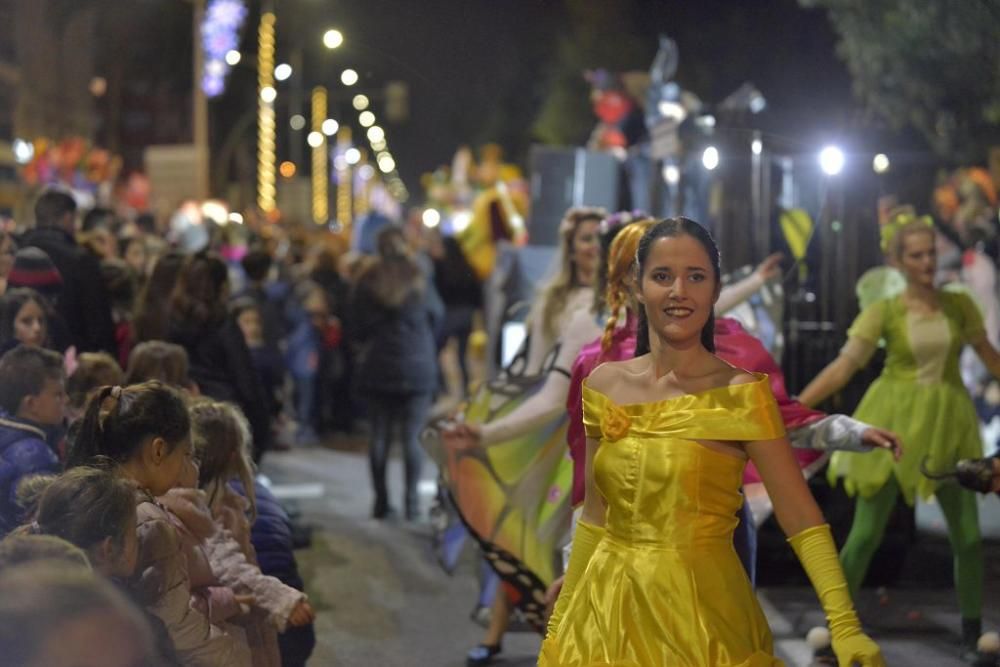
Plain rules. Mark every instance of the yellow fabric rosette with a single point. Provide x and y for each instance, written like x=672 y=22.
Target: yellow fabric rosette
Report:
x=615 y=422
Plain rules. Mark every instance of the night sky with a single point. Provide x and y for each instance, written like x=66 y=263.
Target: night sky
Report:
x=482 y=70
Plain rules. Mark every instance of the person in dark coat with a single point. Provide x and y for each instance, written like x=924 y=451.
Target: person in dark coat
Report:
x=393 y=319
x=462 y=294
x=83 y=304
x=220 y=362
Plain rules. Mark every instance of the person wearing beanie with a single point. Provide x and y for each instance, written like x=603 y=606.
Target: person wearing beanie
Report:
x=34 y=268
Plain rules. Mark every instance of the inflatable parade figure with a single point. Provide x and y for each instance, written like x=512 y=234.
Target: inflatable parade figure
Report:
x=920 y=396
x=621 y=120
x=653 y=578
x=498 y=212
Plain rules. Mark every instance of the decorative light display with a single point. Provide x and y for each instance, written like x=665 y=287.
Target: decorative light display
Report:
x=320 y=191
x=344 y=178
x=362 y=187
x=219 y=36
x=266 y=191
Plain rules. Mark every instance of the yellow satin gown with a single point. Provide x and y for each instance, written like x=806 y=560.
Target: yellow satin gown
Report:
x=665 y=587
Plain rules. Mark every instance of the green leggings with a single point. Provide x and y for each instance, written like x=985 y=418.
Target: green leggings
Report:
x=960 y=512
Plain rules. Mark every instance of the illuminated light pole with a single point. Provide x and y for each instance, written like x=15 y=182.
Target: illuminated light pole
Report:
x=266 y=191
x=320 y=175
x=200 y=108
x=363 y=185
x=344 y=195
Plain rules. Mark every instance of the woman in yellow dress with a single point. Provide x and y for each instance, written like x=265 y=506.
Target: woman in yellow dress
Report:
x=653 y=579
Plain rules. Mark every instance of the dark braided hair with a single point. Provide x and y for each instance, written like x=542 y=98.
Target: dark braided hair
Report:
x=670 y=228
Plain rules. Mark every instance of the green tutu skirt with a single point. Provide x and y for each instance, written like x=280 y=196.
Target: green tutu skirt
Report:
x=937 y=422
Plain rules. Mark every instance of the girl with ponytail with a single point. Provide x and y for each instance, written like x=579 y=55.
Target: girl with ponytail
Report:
x=143 y=432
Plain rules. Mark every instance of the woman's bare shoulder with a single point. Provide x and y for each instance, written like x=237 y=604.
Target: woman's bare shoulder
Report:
x=606 y=376
x=730 y=375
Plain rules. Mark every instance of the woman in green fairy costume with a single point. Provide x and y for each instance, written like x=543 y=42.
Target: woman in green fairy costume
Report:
x=920 y=396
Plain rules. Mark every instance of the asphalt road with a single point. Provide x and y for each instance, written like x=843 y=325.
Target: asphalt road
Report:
x=384 y=602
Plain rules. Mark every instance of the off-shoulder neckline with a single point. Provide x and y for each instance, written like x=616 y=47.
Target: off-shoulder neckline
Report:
x=762 y=378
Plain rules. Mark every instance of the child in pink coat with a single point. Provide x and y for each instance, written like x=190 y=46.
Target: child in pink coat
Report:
x=221 y=438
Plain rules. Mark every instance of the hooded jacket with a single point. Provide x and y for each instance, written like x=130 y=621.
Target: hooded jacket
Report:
x=24 y=451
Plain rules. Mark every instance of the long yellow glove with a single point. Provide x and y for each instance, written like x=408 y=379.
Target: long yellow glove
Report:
x=585 y=541
x=815 y=549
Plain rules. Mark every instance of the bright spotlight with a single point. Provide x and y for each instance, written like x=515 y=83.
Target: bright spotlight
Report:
x=332 y=39
x=460 y=221
x=360 y=102
x=756 y=146
x=348 y=77
x=236 y=218
x=880 y=163
x=282 y=71
x=367 y=119
x=707 y=121
x=330 y=127
x=352 y=155
x=431 y=218
x=315 y=139
x=268 y=94
x=671 y=174
x=710 y=158
x=831 y=160
x=378 y=145
x=675 y=111
x=233 y=57
x=376 y=133
x=23 y=151
x=215 y=211
x=297 y=122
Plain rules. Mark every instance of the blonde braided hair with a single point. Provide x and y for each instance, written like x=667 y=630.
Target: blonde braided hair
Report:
x=621 y=271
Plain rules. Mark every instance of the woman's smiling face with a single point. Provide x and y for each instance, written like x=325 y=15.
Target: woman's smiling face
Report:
x=678 y=288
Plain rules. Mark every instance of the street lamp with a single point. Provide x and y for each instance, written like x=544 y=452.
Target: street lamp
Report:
x=367 y=119
x=360 y=102
x=333 y=38
x=348 y=77
x=282 y=71
x=330 y=127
